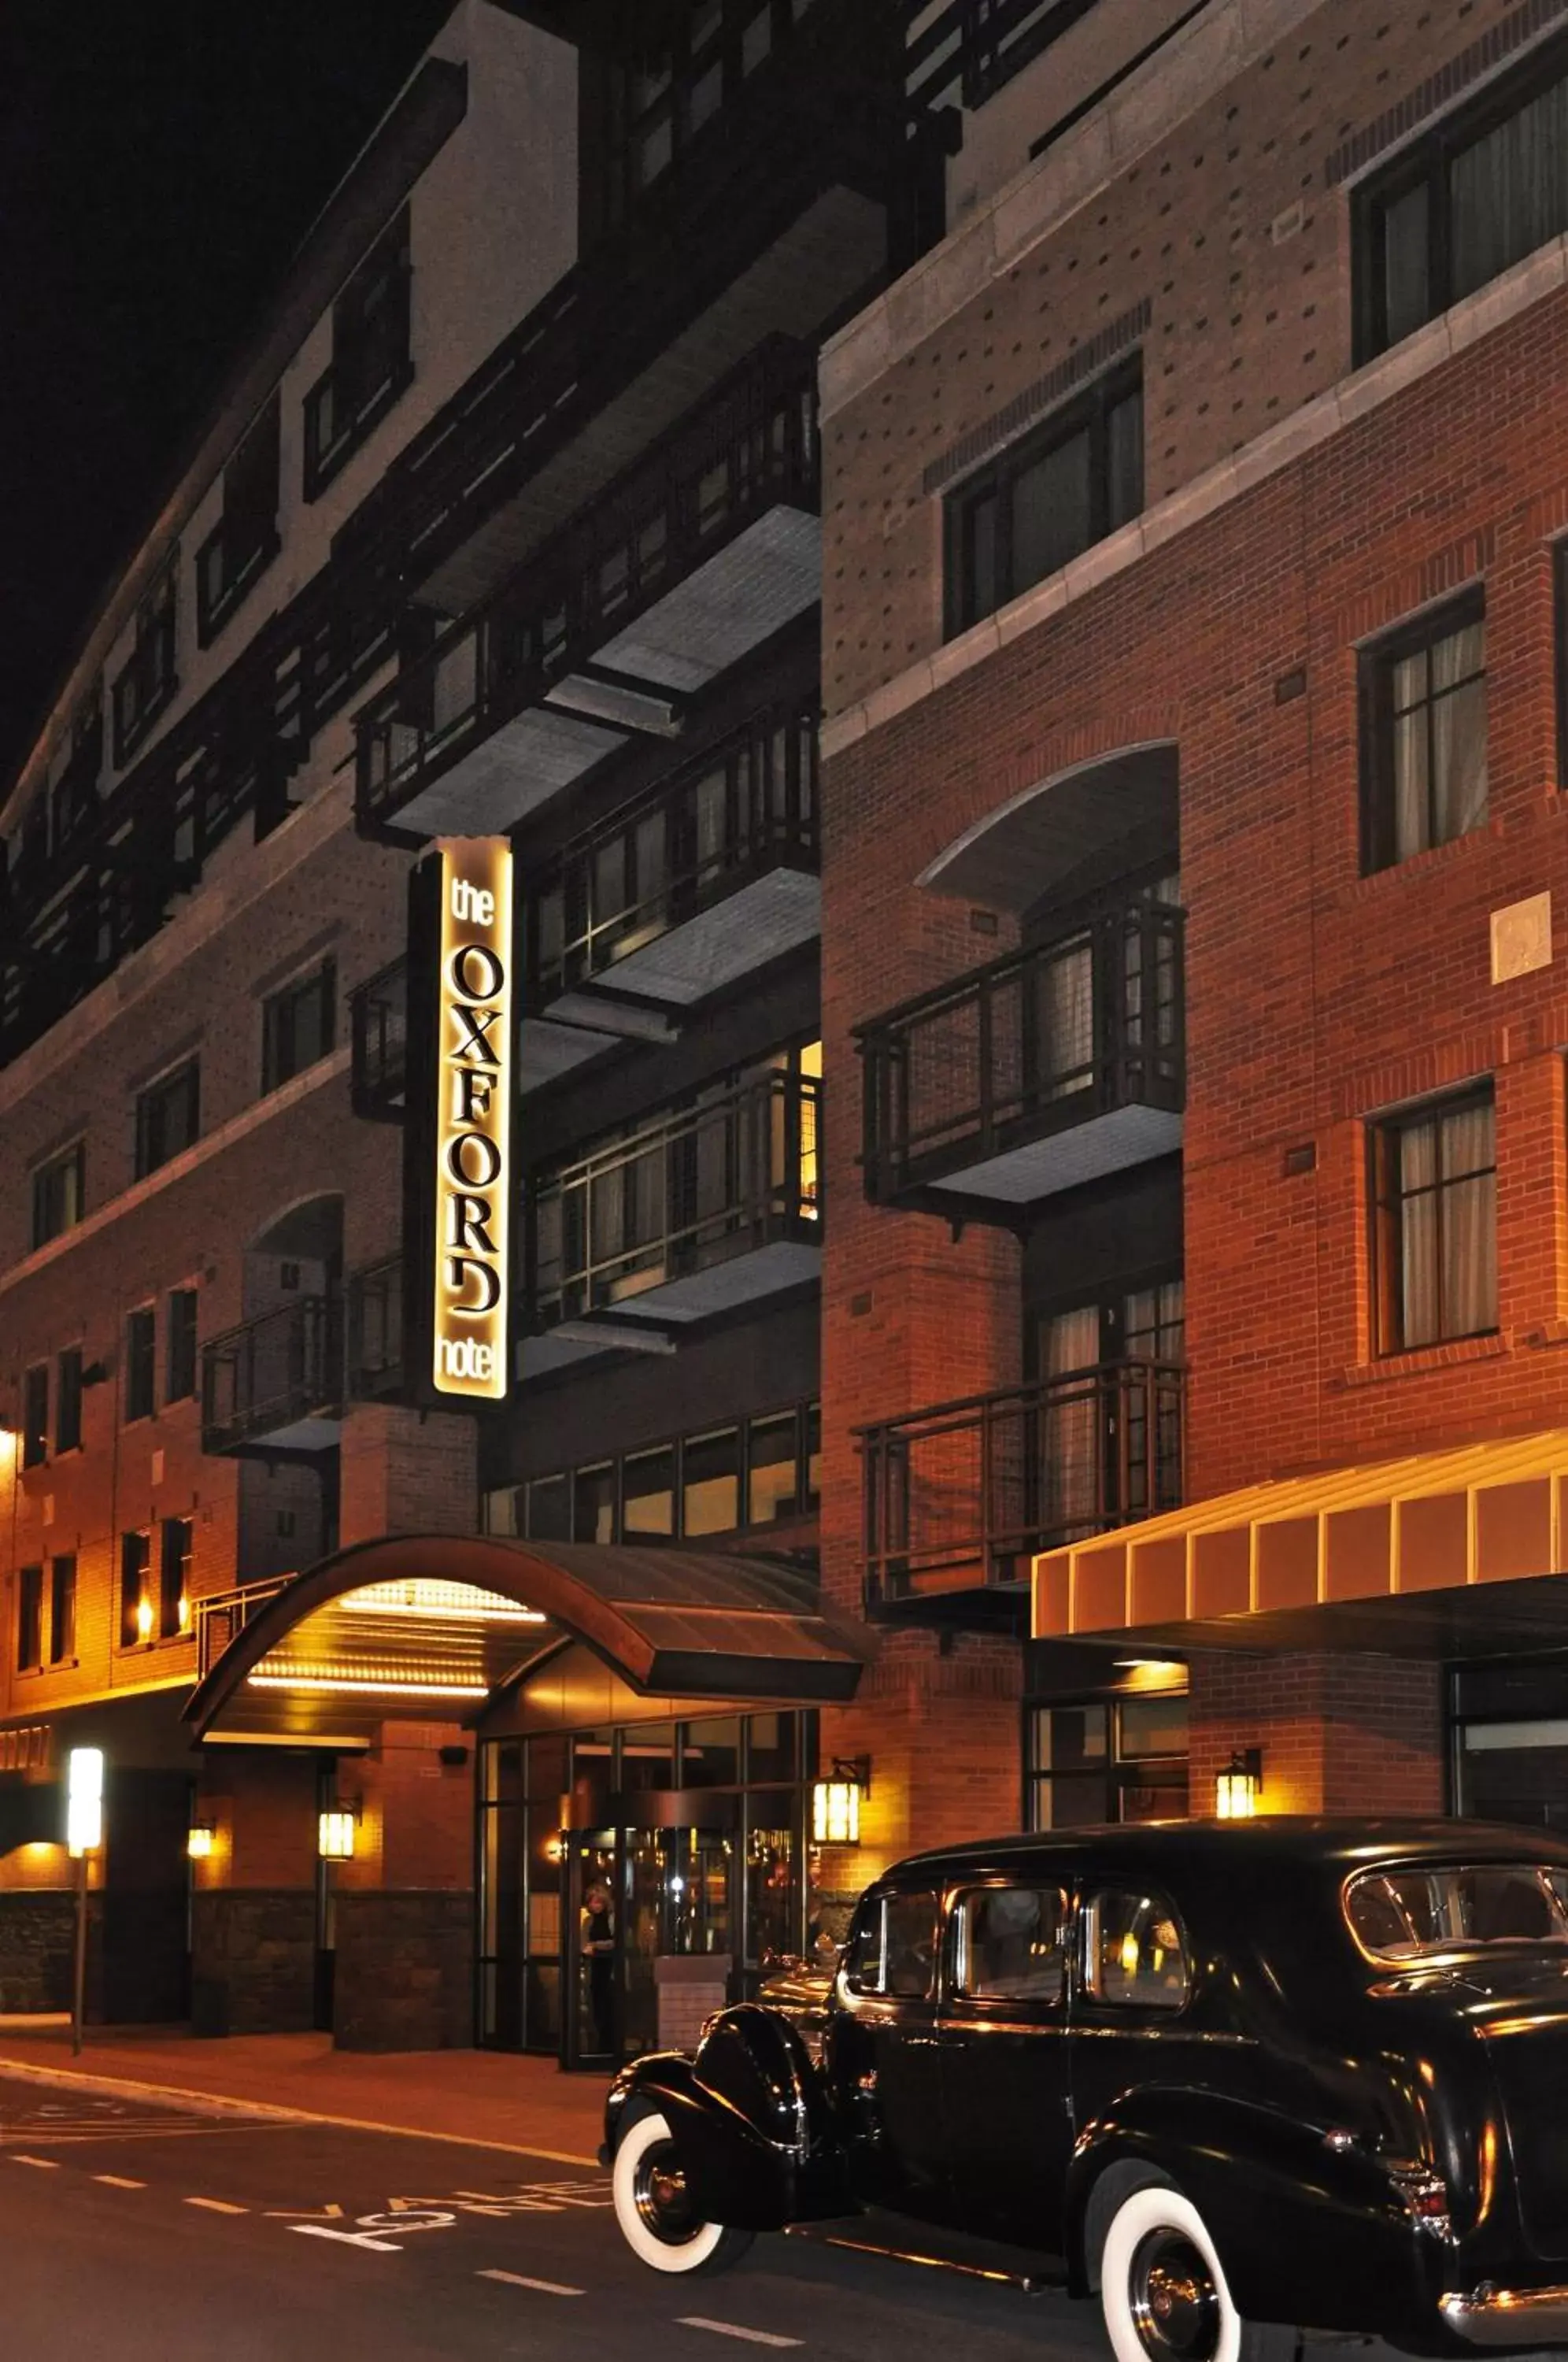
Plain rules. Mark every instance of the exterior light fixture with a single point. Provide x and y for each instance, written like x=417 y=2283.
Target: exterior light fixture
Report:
x=200 y=1839
x=1239 y=1786
x=835 y=1801
x=335 y=1833
x=85 y=1800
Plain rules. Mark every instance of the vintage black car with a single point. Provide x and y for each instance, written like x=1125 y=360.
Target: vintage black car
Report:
x=1241 y=2078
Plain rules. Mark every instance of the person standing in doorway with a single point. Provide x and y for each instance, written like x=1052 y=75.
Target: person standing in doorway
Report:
x=597 y=1934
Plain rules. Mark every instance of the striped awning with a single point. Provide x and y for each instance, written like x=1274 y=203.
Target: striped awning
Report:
x=1401 y=1548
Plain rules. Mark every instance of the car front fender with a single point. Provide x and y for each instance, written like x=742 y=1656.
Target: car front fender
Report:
x=1314 y=2234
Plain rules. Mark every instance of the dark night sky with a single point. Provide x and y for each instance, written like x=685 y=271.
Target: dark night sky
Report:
x=159 y=159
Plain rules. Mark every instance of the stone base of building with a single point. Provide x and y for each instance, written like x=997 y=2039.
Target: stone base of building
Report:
x=253 y=1960
x=404 y=1978
x=38 y=1945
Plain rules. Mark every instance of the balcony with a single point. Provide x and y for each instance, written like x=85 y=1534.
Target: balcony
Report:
x=959 y=1499
x=379 y=1019
x=1053 y=1066
x=274 y=1385
x=375 y=1371
x=693 y=558
x=678 y=895
x=702 y=1212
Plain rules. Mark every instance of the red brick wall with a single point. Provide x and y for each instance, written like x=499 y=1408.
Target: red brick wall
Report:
x=1339 y=1733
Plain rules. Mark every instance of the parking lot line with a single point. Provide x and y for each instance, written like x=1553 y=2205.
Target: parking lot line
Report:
x=733 y=2329
x=520 y=2279
x=217 y=2205
x=49 y=2164
x=119 y=2181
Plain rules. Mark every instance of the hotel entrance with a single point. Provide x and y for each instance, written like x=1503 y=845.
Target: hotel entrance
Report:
x=635 y=1876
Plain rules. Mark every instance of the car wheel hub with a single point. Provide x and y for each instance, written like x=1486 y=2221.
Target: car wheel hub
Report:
x=662 y=2198
x=1176 y=2305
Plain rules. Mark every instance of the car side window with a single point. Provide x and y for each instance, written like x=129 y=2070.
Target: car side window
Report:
x=1135 y=1957
x=892 y=1947
x=1010 y=1943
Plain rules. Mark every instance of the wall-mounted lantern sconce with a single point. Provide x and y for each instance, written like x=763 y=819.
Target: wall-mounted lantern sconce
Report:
x=1239 y=1786
x=835 y=1801
x=334 y=1832
x=200 y=1838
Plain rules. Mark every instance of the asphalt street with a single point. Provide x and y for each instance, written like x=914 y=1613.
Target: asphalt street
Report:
x=147 y=2235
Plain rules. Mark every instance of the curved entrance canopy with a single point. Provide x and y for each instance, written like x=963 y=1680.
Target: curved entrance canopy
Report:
x=430 y=1626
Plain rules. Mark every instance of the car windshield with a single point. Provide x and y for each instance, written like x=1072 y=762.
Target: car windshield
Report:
x=1403 y=1914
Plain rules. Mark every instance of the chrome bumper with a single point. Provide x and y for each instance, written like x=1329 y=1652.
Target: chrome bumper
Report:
x=1504 y=2317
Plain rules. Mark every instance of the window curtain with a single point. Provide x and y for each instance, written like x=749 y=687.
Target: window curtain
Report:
x=1070 y=1421
x=1508 y=193
x=1459 y=734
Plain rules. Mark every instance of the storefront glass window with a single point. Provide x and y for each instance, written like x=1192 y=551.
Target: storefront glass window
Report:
x=648 y=1757
x=1108 y=1761
x=710 y=1753
x=648 y=1494
x=770 y=1874
x=593 y=1505
x=773 y=1459
x=711 y=1479
x=1511 y=1744
x=772 y=1747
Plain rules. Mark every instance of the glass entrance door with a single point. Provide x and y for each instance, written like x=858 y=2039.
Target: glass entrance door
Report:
x=594 y=1936
x=634 y=1895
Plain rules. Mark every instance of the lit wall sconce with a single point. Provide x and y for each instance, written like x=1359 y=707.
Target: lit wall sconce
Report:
x=835 y=1801
x=1239 y=1786
x=200 y=1838
x=335 y=1833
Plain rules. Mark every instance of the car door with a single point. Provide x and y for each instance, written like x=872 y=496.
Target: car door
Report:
x=1130 y=2013
x=886 y=2059
x=1006 y=2081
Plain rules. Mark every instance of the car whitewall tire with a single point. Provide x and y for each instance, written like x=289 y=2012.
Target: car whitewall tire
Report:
x=1162 y=2287
x=652 y=2210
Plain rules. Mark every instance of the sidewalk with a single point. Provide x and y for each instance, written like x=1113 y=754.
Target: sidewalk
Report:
x=489 y=2097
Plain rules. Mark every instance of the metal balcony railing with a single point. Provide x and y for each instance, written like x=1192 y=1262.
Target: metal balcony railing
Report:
x=1027 y=1046
x=752 y=445
x=272 y=1374
x=737 y=1172
x=224 y=1614
x=959 y=1499
x=375 y=1371
x=379 y=1019
x=748 y=807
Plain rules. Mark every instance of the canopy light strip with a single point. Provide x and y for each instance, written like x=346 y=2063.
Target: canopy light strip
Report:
x=443 y=1602
x=382 y=1688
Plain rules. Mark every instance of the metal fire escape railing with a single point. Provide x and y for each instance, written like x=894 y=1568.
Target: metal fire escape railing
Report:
x=737 y=1172
x=1031 y=1044
x=962 y=1496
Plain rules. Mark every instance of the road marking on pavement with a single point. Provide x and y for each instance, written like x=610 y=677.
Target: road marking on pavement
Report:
x=733 y=2329
x=49 y=2164
x=520 y=2279
x=217 y=2205
x=119 y=2181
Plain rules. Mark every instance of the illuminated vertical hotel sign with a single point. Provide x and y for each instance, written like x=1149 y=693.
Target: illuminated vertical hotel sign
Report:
x=472 y=1131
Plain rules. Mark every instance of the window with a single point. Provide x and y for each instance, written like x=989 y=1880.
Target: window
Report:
x=148 y=682
x=136 y=1606
x=30 y=1618
x=1045 y=499
x=1404 y=1915
x=371 y=360
x=1133 y=1953
x=174 y=1578
x=245 y=538
x=168 y=1117
x=141 y=1350
x=296 y=1025
x=180 y=1345
x=62 y=1609
x=1109 y=1760
x=67 y=1400
x=647 y=1496
x=893 y=1947
x=1479 y=193
x=1424 y=735
x=710 y=1469
x=715 y=1482
x=1010 y=1943
x=1435 y=1223
x=60 y=1193
x=35 y=1416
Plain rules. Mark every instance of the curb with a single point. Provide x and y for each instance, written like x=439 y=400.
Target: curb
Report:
x=214 y=2105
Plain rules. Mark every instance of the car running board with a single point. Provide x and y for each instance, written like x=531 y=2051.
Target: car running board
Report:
x=1034 y=2281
